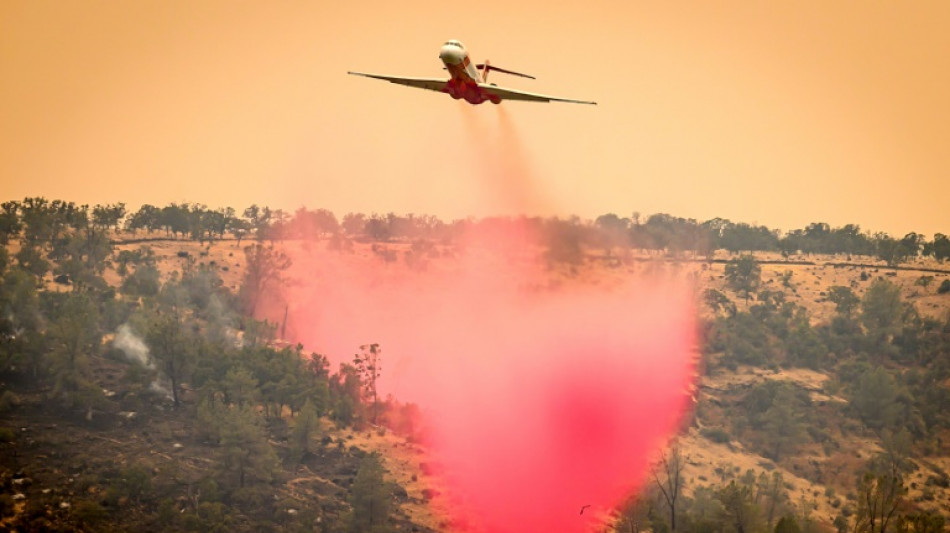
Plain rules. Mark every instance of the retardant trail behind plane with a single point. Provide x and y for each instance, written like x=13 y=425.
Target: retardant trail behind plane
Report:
x=466 y=82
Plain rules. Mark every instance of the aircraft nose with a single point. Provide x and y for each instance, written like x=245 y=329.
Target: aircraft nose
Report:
x=451 y=55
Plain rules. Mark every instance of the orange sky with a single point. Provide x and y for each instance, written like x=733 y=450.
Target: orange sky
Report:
x=781 y=113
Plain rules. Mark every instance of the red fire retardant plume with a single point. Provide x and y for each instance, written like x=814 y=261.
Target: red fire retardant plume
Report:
x=539 y=400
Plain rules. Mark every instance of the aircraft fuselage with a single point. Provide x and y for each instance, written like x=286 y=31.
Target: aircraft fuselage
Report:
x=464 y=75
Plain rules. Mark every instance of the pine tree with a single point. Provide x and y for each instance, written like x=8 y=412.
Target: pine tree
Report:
x=370 y=498
x=245 y=450
x=307 y=424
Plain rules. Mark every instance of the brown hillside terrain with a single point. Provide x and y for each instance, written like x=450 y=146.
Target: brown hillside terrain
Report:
x=821 y=477
x=811 y=277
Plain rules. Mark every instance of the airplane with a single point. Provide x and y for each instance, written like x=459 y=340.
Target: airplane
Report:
x=466 y=82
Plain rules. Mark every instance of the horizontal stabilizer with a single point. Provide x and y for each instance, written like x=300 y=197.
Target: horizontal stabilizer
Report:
x=488 y=66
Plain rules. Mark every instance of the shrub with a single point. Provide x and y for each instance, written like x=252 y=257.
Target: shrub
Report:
x=6 y=505
x=88 y=513
x=717 y=435
x=944 y=287
x=8 y=400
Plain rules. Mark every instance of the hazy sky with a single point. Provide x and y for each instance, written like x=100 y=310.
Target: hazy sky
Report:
x=780 y=113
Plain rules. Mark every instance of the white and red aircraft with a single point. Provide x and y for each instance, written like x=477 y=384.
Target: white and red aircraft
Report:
x=467 y=83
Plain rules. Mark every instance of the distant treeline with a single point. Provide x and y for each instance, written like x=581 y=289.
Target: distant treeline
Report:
x=39 y=219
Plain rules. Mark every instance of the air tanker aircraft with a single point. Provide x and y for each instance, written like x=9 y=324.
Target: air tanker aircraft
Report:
x=466 y=82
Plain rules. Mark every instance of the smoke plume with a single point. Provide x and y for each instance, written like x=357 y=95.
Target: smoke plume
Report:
x=132 y=346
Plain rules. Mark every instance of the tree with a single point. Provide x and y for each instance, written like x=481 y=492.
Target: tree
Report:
x=841 y=524
x=805 y=347
x=36 y=216
x=378 y=228
x=844 y=299
x=895 y=251
x=921 y=522
x=259 y=220
x=9 y=221
x=346 y=391
x=897 y=450
x=880 y=493
x=704 y=513
x=784 y=429
x=239 y=228
x=83 y=254
x=30 y=258
x=108 y=216
x=172 y=349
x=371 y=496
x=881 y=310
x=306 y=425
x=21 y=338
x=175 y=219
x=736 y=498
x=264 y=267
x=563 y=239
x=240 y=387
x=875 y=398
x=744 y=275
x=718 y=301
x=354 y=224
x=278 y=229
x=73 y=336
x=672 y=464
x=787 y=524
x=910 y=245
x=245 y=450
x=613 y=230
x=314 y=224
x=941 y=247
x=144 y=281
x=771 y=488
x=148 y=217
x=367 y=363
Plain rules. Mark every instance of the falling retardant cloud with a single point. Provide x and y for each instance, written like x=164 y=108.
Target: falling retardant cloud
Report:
x=539 y=397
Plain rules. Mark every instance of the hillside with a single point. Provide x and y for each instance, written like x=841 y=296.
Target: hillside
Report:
x=110 y=450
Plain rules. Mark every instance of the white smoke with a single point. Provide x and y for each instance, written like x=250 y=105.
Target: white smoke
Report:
x=161 y=388
x=132 y=346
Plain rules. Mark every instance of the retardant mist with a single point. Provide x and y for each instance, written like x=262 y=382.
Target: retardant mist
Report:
x=541 y=394
x=503 y=163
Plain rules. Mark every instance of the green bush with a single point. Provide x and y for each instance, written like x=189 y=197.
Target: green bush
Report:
x=7 y=435
x=88 y=513
x=717 y=435
x=944 y=287
x=8 y=400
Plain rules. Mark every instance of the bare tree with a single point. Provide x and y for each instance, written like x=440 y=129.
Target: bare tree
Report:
x=264 y=268
x=671 y=463
x=368 y=364
x=879 y=495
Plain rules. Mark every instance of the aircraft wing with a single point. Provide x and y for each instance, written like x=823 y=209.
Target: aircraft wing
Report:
x=512 y=94
x=432 y=84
